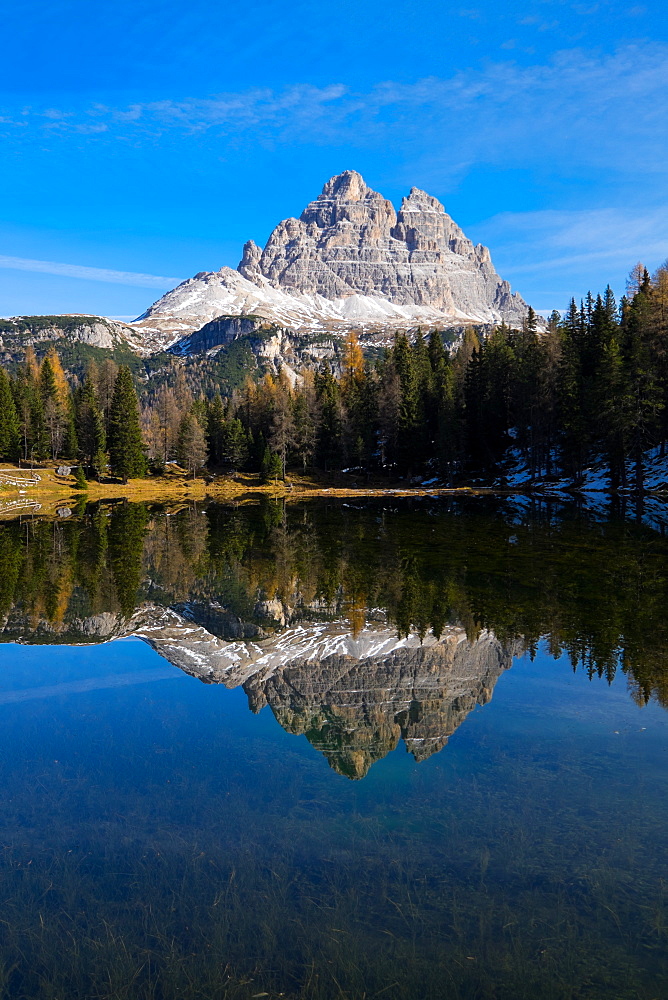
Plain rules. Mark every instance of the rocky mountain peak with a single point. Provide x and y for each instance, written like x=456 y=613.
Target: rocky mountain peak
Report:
x=351 y=261
x=348 y=186
x=350 y=241
x=250 y=261
x=346 y=199
x=419 y=201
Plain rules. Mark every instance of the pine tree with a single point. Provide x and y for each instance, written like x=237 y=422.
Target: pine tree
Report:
x=575 y=429
x=389 y=410
x=305 y=418
x=91 y=434
x=446 y=425
x=281 y=426
x=613 y=412
x=408 y=435
x=328 y=396
x=216 y=430
x=126 y=451
x=644 y=387
x=271 y=466
x=235 y=443
x=29 y=409
x=53 y=405
x=9 y=422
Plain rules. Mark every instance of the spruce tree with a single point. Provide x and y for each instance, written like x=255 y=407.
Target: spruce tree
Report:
x=235 y=444
x=643 y=385
x=328 y=395
x=9 y=423
x=408 y=436
x=126 y=450
x=91 y=434
x=216 y=430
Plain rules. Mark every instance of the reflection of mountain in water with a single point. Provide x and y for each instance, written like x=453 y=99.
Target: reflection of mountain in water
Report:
x=274 y=598
x=354 y=695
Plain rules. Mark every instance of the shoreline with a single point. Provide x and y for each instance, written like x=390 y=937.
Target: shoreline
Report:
x=20 y=493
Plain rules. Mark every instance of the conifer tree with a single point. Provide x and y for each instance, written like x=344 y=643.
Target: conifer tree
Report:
x=352 y=363
x=29 y=409
x=126 y=451
x=271 y=466
x=9 y=423
x=408 y=436
x=613 y=412
x=644 y=389
x=216 y=430
x=445 y=426
x=235 y=443
x=90 y=427
x=305 y=418
x=281 y=428
x=53 y=413
x=328 y=395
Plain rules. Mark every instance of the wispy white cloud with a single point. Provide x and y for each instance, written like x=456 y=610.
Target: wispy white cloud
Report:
x=580 y=108
x=573 y=241
x=87 y=273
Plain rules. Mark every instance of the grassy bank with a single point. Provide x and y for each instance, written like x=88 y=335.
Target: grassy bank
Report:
x=21 y=492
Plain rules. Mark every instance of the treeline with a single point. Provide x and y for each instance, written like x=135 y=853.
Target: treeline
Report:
x=97 y=424
x=592 y=385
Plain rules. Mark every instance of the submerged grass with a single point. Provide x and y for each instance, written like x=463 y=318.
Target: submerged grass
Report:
x=504 y=886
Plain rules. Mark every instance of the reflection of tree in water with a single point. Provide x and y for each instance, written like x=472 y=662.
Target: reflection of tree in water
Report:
x=595 y=590
x=127 y=527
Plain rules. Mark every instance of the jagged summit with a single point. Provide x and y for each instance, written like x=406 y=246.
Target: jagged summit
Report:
x=351 y=260
x=350 y=240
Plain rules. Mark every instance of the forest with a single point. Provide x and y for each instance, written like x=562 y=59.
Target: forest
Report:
x=590 y=386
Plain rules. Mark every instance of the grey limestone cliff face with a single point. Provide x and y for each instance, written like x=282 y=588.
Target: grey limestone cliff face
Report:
x=20 y=331
x=274 y=347
x=350 y=241
x=220 y=333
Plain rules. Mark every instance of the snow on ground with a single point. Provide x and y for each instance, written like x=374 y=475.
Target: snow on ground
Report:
x=596 y=478
x=227 y=293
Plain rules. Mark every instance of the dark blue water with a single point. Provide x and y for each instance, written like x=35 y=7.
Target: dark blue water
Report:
x=195 y=826
x=157 y=839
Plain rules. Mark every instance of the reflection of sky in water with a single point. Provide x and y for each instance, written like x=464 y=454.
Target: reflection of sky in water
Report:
x=527 y=856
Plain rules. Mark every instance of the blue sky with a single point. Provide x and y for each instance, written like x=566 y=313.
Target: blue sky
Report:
x=144 y=141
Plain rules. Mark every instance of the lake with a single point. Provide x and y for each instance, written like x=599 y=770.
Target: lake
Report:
x=409 y=749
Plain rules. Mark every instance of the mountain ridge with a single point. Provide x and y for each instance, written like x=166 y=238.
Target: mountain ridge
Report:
x=349 y=262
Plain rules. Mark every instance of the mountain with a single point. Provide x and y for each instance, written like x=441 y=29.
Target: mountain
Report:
x=349 y=261
x=354 y=694
x=94 y=331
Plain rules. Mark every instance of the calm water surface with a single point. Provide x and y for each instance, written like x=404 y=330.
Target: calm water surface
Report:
x=428 y=758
